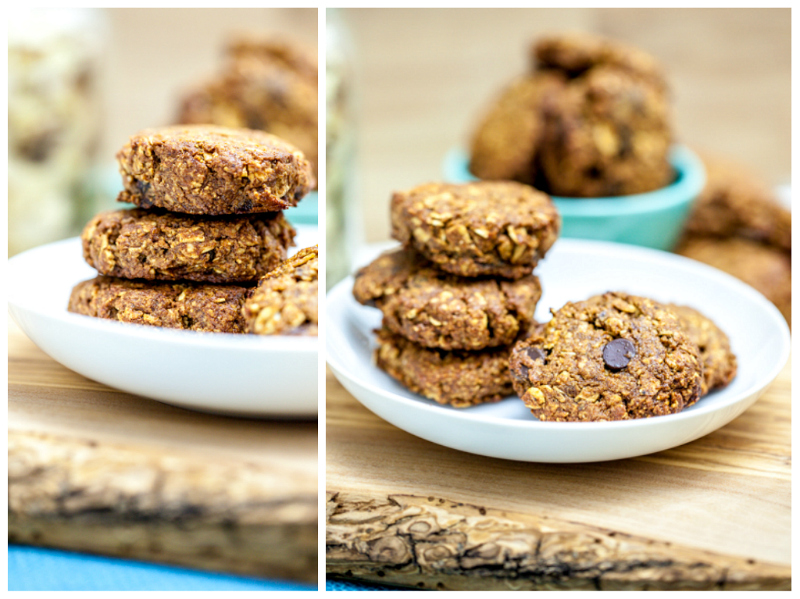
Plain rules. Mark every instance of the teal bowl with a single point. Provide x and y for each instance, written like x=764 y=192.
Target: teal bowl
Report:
x=653 y=219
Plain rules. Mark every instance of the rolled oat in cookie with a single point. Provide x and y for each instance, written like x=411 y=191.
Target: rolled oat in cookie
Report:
x=719 y=362
x=187 y=306
x=438 y=309
x=458 y=378
x=487 y=228
x=155 y=244
x=206 y=169
x=612 y=357
x=285 y=302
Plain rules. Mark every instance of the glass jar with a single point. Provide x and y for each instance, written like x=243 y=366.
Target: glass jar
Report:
x=53 y=121
x=340 y=148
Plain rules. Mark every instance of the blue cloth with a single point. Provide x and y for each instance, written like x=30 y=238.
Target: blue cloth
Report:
x=334 y=584
x=38 y=569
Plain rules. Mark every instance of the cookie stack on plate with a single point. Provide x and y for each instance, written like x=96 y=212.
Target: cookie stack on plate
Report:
x=461 y=291
x=208 y=223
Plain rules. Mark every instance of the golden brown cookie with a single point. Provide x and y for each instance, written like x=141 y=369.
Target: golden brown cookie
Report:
x=285 y=302
x=437 y=309
x=187 y=306
x=767 y=269
x=458 y=378
x=496 y=228
x=155 y=244
x=591 y=119
x=737 y=202
x=265 y=83
x=504 y=144
x=606 y=133
x=719 y=362
x=574 y=53
x=205 y=169
x=612 y=357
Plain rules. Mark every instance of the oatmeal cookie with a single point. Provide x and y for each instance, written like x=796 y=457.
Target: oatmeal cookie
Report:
x=497 y=228
x=265 y=84
x=719 y=362
x=504 y=144
x=285 y=300
x=188 y=306
x=736 y=202
x=763 y=267
x=437 y=309
x=605 y=134
x=612 y=357
x=154 y=244
x=575 y=53
x=205 y=169
x=458 y=378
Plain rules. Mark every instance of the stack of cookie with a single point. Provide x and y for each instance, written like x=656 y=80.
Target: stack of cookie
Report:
x=591 y=118
x=461 y=291
x=738 y=225
x=208 y=223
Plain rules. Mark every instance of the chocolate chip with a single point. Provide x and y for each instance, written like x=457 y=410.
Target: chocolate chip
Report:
x=522 y=373
x=534 y=353
x=617 y=353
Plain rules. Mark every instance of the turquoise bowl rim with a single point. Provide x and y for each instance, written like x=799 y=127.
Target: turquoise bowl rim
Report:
x=689 y=182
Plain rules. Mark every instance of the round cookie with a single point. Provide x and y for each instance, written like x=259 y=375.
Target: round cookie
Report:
x=576 y=52
x=265 y=84
x=206 y=169
x=436 y=309
x=719 y=362
x=736 y=202
x=612 y=357
x=285 y=302
x=154 y=244
x=486 y=228
x=458 y=378
x=606 y=133
x=763 y=267
x=192 y=307
x=504 y=144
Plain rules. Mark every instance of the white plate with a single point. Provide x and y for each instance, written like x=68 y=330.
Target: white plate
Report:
x=575 y=270
x=213 y=372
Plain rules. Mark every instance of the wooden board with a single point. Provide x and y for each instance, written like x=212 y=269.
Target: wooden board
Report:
x=711 y=514
x=97 y=470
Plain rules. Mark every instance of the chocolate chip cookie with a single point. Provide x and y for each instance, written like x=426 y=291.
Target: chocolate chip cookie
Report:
x=574 y=53
x=591 y=119
x=188 y=306
x=606 y=133
x=612 y=357
x=719 y=362
x=205 y=169
x=437 y=309
x=494 y=228
x=458 y=378
x=767 y=269
x=504 y=144
x=285 y=302
x=154 y=244
x=736 y=202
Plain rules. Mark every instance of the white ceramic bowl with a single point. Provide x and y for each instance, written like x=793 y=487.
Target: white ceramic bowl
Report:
x=574 y=270
x=214 y=372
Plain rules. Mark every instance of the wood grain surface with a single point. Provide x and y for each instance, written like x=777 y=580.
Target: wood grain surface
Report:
x=97 y=470
x=711 y=514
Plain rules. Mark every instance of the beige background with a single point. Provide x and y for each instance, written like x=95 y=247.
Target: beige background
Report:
x=155 y=53
x=425 y=75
